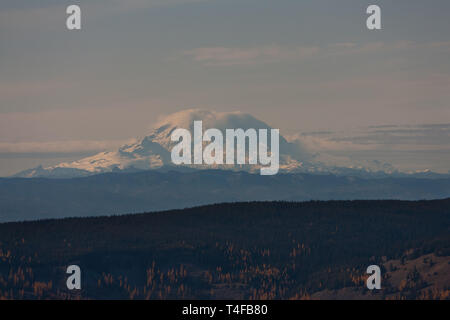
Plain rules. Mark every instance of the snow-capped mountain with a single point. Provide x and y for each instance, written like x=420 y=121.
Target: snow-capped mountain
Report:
x=153 y=151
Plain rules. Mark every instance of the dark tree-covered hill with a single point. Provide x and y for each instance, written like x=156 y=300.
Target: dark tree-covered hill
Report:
x=273 y=250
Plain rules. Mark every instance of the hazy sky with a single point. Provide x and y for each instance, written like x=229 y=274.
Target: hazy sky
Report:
x=301 y=66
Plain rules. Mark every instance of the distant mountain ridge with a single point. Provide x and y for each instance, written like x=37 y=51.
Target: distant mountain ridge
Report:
x=143 y=191
x=153 y=152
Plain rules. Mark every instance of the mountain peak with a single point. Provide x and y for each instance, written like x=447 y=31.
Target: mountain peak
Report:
x=184 y=119
x=211 y=119
x=153 y=151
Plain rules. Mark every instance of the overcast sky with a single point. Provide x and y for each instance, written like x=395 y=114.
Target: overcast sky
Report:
x=301 y=66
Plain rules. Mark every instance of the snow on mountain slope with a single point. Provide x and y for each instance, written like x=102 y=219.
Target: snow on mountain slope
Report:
x=153 y=151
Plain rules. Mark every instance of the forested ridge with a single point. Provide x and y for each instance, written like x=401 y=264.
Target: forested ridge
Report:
x=145 y=191
x=252 y=250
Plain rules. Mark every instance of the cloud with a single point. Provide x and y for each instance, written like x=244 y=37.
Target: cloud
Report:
x=405 y=147
x=413 y=139
x=223 y=56
x=408 y=137
x=75 y=146
x=419 y=141
x=230 y=56
x=325 y=142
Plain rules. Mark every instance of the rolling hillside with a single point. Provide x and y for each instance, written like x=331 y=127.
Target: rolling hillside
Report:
x=257 y=250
